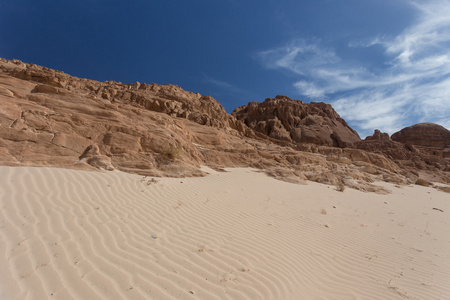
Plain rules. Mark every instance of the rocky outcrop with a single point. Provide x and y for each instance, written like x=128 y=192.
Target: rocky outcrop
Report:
x=298 y=122
x=378 y=143
x=92 y=156
x=378 y=136
x=424 y=134
x=168 y=99
x=409 y=157
x=49 y=118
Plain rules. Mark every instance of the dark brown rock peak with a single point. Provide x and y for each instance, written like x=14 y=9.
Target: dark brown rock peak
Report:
x=378 y=136
x=295 y=121
x=424 y=134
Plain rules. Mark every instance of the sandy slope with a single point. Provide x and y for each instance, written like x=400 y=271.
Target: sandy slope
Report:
x=239 y=234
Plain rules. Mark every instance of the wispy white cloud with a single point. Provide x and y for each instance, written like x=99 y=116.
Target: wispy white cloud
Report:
x=300 y=56
x=226 y=86
x=412 y=85
x=309 y=88
x=392 y=110
x=429 y=33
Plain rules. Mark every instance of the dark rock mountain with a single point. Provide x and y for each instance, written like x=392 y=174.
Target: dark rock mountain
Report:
x=424 y=134
x=297 y=122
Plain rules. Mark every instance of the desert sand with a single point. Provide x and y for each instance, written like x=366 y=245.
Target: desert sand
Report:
x=233 y=234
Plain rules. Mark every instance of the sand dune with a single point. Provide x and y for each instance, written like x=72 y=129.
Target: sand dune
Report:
x=238 y=234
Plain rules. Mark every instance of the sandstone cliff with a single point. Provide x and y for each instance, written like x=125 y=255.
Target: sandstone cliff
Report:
x=49 y=118
x=298 y=122
x=424 y=134
x=406 y=155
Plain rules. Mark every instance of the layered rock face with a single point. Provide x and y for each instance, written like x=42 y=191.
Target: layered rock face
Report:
x=49 y=118
x=411 y=158
x=295 y=121
x=168 y=99
x=424 y=134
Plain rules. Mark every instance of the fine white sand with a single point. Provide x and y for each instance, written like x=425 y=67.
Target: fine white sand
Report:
x=238 y=234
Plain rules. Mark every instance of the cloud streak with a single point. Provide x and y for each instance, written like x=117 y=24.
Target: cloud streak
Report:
x=299 y=57
x=222 y=85
x=412 y=85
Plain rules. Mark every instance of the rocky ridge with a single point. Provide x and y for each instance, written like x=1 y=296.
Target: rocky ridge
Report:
x=415 y=160
x=424 y=134
x=316 y=127
x=49 y=118
x=295 y=121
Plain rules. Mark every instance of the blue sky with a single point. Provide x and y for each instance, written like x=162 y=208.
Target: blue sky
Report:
x=382 y=64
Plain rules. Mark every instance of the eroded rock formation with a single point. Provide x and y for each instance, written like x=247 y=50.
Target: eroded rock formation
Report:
x=411 y=158
x=295 y=121
x=424 y=134
x=49 y=118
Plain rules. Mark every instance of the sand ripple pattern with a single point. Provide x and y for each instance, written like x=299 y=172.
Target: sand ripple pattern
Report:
x=69 y=234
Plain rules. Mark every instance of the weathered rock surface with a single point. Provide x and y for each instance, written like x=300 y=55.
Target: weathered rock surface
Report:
x=411 y=158
x=48 y=118
x=378 y=136
x=424 y=134
x=295 y=121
